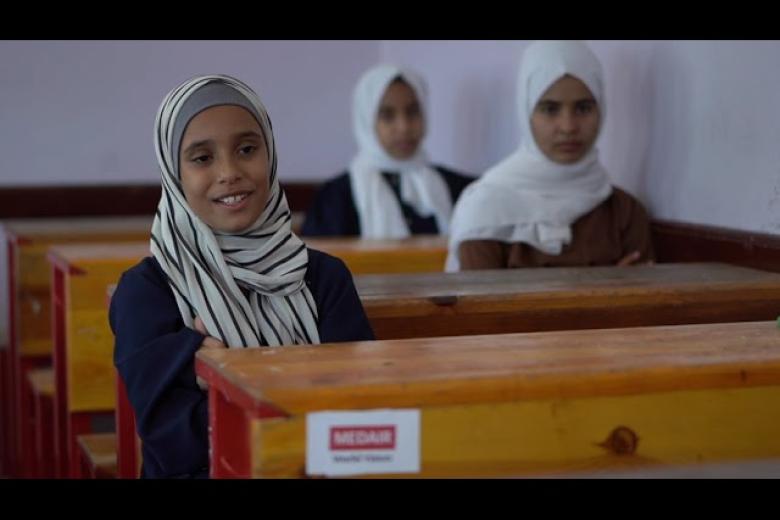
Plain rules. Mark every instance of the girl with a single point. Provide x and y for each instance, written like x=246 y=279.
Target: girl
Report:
x=551 y=203
x=225 y=272
x=390 y=189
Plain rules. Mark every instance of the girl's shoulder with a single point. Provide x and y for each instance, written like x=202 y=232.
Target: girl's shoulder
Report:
x=325 y=268
x=145 y=280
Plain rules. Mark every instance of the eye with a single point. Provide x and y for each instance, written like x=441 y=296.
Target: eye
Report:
x=413 y=111
x=585 y=107
x=387 y=115
x=201 y=159
x=548 y=108
x=247 y=149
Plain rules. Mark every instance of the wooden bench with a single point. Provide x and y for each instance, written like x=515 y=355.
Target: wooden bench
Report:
x=83 y=342
x=416 y=254
x=30 y=343
x=128 y=444
x=5 y=420
x=512 y=404
x=530 y=300
x=41 y=383
x=97 y=455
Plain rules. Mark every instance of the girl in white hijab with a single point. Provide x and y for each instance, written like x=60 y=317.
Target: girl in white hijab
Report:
x=551 y=202
x=390 y=189
x=226 y=270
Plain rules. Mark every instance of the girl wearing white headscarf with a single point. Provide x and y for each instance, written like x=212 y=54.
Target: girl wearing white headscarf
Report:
x=551 y=202
x=389 y=191
x=205 y=287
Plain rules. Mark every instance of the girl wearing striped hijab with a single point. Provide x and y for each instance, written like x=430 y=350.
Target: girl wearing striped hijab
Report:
x=226 y=271
x=551 y=202
x=390 y=190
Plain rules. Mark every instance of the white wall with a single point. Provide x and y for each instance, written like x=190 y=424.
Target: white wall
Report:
x=82 y=112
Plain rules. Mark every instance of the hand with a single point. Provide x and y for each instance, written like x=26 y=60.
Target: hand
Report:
x=632 y=258
x=200 y=326
x=209 y=341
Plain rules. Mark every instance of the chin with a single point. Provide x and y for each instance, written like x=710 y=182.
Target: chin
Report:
x=568 y=159
x=232 y=227
x=402 y=156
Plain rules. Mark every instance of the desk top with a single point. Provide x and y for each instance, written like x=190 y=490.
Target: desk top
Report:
x=496 y=368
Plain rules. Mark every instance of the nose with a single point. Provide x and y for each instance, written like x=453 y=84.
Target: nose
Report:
x=228 y=172
x=403 y=124
x=568 y=123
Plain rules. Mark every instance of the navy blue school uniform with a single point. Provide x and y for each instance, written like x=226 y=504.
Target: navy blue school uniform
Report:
x=155 y=356
x=333 y=212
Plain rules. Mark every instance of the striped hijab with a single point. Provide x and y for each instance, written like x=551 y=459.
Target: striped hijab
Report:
x=247 y=287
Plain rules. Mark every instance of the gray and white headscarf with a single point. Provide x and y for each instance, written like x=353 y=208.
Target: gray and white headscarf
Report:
x=247 y=287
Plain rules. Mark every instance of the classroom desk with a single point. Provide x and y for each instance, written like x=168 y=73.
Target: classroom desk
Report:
x=128 y=444
x=539 y=299
x=416 y=254
x=97 y=455
x=5 y=420
x=29 y=308
x=41 y=381
x=509 y=405
x=85 y=377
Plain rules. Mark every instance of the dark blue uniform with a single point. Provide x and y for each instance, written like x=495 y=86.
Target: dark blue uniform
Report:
x=333 y=212
x=155 y=356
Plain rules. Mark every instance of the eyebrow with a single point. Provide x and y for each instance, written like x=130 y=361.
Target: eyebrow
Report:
x=238 y=136
x=582 y=100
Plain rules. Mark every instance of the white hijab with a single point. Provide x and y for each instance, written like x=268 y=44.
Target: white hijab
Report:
x=421 y=186
x=247 y=287
x=527 y=197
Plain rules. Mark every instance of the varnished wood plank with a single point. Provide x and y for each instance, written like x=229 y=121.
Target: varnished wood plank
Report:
x=494 y=368
x=419 y=253
x=527 y=300
x=565 y=436
x=99 y=449
x=42 y=381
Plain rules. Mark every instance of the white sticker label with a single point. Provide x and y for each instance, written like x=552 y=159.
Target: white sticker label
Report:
x=363 y=442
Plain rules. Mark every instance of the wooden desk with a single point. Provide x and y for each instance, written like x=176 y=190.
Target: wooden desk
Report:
x=29 y=306
x=5 y=412
x=97 y=452
x=129 y=457
x=417 y=254
x=85 y=376
x=41 y=383
x=514 y=404
x=531 y=300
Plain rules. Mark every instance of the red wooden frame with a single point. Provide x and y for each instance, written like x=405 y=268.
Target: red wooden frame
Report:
x=127 y=455
x=230 y=412
x=67 y=425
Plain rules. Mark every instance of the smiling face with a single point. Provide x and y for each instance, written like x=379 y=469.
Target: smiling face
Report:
x=399 y=123
x=565 y=122
x=224 y=168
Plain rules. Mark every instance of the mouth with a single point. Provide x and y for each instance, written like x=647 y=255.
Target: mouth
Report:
x=569 y=146
x=406 y=146
x=235 y=200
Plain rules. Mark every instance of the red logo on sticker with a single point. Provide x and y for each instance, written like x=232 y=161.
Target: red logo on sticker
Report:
x=362 y=437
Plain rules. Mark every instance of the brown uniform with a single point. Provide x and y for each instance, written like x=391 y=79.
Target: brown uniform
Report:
x=612 y=230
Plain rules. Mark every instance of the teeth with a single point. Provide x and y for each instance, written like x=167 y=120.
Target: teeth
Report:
x=233 y=199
